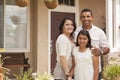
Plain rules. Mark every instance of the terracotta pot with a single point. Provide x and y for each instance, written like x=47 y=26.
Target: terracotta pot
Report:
x=51 y=4
x=22 y=3
x=1 y=76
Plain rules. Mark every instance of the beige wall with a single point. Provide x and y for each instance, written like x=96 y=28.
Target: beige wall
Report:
x=42 y=35
x=98 y=8
x=38 y=56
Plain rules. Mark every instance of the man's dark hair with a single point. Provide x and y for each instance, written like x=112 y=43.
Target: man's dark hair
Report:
x=86 y=10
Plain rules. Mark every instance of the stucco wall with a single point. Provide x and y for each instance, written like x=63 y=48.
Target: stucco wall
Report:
x=38 y=55
x=42 y=35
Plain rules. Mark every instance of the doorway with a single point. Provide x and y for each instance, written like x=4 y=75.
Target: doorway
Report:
x=56 y=18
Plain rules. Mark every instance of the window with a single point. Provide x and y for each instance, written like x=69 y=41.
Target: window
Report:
x=113 y=23
x=14 y=27
x=67 y=2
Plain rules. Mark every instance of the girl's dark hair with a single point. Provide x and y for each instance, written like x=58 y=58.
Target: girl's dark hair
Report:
x=62 y=25
x=86 y=33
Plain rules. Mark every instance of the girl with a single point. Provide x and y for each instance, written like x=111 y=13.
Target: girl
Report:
x=86 y=66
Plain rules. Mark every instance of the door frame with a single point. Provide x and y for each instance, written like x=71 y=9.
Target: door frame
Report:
x=60 y=8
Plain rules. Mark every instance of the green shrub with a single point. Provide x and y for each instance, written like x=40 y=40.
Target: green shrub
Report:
x=111 y=72
x=24 y=76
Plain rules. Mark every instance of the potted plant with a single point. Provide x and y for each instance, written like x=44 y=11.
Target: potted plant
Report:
x=44 y=76
x=3 y=71
x=112 y=72
x=51 y=4
x=24 y=75
x=22 y=3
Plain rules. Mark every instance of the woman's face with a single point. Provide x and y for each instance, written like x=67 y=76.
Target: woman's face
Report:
x=82 y=40
x=68 y=27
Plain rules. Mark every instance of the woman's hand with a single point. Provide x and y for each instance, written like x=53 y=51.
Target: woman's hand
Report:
x=69 y=78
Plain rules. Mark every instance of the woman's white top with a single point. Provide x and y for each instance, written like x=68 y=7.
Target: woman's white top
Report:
x=64 y=47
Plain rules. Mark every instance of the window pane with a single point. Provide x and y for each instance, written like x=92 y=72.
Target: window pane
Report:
x=15 y=26
x=67 y=2
x=72 y=2
x=60 y=1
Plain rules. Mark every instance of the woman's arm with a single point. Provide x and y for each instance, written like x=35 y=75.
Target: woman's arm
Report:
x=96 y=67
x=64 y=64
x=73 y=65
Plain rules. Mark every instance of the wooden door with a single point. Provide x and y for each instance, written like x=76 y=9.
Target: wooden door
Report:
x=56 y=18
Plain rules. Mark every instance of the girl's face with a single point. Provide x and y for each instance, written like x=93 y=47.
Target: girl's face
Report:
x=82 y=40
x=68 y=27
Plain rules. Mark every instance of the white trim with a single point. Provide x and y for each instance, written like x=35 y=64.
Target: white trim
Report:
x=109 y=23
x=27 y=48
x=112 y=23
x=49 y=42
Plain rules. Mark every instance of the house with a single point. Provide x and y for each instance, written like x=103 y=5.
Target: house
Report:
x=38 y=23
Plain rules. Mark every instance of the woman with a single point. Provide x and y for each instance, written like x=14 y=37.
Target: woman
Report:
x=64 y=47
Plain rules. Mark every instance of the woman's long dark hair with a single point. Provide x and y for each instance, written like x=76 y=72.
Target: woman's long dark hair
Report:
x=86 y=33
x=62 y=25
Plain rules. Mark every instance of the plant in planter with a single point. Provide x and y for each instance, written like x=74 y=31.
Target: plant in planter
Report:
x=3 y=71
x=22 y=3
x=24 y=75
x=112 y=72
x=44 y=76
x=51 y=4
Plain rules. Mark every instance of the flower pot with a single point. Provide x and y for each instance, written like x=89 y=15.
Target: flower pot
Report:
x=1 y=75
x=51 y=4
x=22 y=3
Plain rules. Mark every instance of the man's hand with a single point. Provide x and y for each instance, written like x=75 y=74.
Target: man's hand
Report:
x=96 y=52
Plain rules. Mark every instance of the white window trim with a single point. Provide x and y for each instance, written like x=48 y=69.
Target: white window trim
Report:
x=112 y=16
x=27 y=49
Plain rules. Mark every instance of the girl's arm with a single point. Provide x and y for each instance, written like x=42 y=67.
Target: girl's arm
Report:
x=96 y=67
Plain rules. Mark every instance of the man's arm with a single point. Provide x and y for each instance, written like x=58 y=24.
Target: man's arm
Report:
x=98 y=52
x=105 y=50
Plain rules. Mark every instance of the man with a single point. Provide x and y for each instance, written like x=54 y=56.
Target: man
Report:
x=98 y=37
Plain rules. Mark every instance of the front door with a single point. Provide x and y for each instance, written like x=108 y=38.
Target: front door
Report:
x=56 y=18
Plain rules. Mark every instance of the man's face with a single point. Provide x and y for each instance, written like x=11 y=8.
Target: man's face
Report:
x=86 y=19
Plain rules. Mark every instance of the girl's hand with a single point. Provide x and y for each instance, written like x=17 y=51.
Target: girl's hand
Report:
x=69 y=78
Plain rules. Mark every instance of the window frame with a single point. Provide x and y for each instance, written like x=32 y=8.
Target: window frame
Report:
x=27 y=48
x=113 y=24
